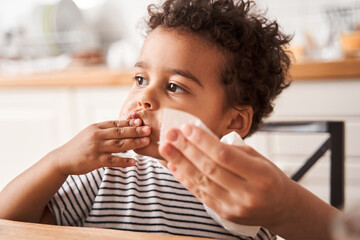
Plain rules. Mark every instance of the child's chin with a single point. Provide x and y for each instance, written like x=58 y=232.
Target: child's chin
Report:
x=150 y=150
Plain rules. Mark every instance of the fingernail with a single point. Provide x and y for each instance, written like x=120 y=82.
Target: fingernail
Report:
x=145 y=140
x=171 y=136
x=187 y=130
x=137 y=122
x=146 y=129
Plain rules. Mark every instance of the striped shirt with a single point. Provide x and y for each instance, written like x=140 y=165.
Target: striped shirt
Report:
x=144 y=198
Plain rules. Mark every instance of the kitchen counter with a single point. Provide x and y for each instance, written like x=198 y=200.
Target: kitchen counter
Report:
x=84 y=76
x=102 y=76
x=342 y=69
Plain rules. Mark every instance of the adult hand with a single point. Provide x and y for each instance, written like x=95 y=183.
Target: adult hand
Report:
x=237 y=182
x=92 y=148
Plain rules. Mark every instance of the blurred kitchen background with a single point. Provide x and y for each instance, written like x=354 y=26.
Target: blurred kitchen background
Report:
x=44 y=35
x=66 y=64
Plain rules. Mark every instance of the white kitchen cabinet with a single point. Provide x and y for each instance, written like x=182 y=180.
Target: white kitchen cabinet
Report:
x=34 y=121
x=316 y=100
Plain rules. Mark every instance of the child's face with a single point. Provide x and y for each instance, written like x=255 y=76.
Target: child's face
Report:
x=176 y=70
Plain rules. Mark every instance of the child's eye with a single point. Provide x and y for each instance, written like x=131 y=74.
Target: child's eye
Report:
x=172 y=87
x=140 y=81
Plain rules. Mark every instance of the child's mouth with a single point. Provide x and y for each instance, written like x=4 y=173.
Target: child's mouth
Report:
x=138 y=115
x=147 y=119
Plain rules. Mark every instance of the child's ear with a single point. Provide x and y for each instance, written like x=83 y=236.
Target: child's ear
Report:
x=241 y=121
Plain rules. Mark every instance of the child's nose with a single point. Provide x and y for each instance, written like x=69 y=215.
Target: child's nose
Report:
x=149 y=98
x=148 y=101
x=144 y=104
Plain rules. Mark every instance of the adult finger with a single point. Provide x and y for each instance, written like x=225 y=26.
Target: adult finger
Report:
x=109 y=160
x=121 y=145
x=241 y=160
x=125 y=132
x=209 y=168
x=191 y=178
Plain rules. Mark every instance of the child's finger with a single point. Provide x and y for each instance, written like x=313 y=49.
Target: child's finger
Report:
x=125 y=132
x=118 y=123
x=108 y=160
x=121 y=145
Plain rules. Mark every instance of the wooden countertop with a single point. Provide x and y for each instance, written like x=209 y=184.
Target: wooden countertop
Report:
x=342 y=69
x=84 y=76
x=11 y=230
x=102 y=76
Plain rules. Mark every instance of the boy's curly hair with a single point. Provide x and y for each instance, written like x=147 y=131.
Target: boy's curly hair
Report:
x=256 y=64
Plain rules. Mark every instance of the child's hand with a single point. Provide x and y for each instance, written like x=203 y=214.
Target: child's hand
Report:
x=235 y=181
x=92 y=148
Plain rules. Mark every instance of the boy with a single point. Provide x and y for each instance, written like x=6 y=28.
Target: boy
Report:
x=222 y=63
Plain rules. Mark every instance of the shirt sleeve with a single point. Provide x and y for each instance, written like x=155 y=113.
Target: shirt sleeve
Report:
x=73 y=201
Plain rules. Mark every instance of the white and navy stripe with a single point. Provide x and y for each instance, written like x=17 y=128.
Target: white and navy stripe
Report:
x=144 y=198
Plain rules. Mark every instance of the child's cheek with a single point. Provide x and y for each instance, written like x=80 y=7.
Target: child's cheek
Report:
x=126 y=109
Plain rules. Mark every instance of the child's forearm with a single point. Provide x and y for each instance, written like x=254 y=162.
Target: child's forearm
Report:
x=25 y=198
x=307 y=217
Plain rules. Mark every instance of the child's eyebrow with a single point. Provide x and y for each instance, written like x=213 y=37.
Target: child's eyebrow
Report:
x=141 y=64
x=180 y=72
x=187 y=75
